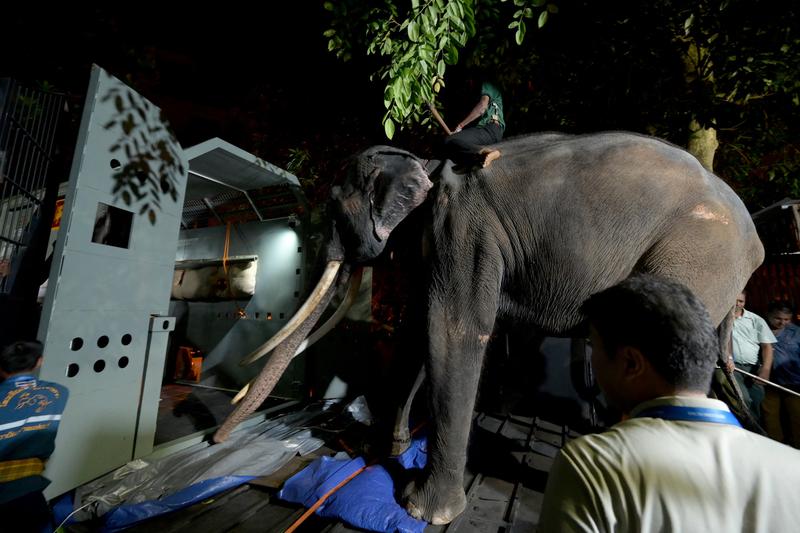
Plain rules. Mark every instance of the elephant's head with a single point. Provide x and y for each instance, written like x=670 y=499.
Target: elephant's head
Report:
x=382 y=187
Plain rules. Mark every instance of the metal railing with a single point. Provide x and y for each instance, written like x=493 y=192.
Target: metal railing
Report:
x=28 y=121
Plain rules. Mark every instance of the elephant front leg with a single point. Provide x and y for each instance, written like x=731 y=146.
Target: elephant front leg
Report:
x=458 y=343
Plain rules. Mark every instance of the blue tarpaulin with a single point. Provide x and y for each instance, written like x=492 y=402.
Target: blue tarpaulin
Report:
x=127 y=515
x=367 y=501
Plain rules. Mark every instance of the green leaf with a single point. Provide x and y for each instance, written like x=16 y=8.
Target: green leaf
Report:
x=543 y=18
x=328 y=6
x=513 y=25
x=552 y=8
x=520 y=35
x=538 y=3
x=440 y=68
x=329 y=33
x=413 y=31
x=388 y=128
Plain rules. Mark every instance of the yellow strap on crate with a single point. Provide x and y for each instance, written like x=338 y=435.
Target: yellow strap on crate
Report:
x=20 y=468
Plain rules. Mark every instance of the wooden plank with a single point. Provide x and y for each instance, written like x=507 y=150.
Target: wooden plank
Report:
x=235 y=510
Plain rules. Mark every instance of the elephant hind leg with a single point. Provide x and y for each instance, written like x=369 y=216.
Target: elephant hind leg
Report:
x=705 y=257
x=716 y=273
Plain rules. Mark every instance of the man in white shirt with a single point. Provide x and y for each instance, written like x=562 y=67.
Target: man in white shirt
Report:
x=752 y=352
x=678 y=461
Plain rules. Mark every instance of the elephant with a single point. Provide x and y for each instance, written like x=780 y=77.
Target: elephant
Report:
x=557 y=218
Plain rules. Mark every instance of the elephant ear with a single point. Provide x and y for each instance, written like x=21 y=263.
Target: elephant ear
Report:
x=399 y=184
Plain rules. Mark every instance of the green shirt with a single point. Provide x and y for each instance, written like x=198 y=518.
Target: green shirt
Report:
x=495 y=109
x=750 y=331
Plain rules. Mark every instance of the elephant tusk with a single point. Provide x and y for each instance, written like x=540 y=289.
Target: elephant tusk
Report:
x=341 y=311
x=328 y=277
x=242 y=393
x=352 y=292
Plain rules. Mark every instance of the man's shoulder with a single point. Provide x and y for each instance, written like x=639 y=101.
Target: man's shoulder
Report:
x=754 y=317
x=52 y=386
x=792 y=329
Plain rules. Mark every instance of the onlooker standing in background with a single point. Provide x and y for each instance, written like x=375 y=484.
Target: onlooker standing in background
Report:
x=781 y=410
x=752 y=352
x=30 y=411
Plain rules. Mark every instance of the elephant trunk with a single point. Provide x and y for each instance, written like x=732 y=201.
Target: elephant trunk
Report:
x=285 y=350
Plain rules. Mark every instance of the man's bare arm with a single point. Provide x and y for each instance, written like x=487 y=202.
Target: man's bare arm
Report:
x=477 y=111
x=766 y=361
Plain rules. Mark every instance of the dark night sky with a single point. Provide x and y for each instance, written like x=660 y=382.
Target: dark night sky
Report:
x=263 y=79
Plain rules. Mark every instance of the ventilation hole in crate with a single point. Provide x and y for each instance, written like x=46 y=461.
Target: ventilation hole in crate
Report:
x=99 y=365
x=72 y=370
x=102 y=342
x=76 y=344
x=269 y=316
x=126 y=339
x=165 y=324
x=115 y=164
x=123 y=361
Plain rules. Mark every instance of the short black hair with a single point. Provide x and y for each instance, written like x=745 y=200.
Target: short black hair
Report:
x=781 y=306
x=665 y=321
x=20 y=356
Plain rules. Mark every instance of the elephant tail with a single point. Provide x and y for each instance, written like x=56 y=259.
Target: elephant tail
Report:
x=724 y=386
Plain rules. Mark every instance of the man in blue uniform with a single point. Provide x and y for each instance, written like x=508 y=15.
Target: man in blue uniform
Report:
x=30 y=411
x=781 y=410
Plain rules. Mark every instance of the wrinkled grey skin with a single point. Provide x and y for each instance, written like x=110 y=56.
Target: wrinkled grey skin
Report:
x=554 y=220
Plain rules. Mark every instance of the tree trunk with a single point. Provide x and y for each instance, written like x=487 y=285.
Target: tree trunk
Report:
x=699 y=75
x=703 y=144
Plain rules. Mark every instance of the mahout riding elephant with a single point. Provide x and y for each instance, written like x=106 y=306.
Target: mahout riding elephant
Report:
x=554 y=220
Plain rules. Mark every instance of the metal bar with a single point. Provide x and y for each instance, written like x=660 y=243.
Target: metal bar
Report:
x=23 y=190
x=12 y=241
x=191 y=384
x=211 y=208
x=218 y=182
x=766 y=382
x=30 y=137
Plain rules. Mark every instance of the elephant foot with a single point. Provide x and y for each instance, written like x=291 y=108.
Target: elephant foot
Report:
x=436 y=503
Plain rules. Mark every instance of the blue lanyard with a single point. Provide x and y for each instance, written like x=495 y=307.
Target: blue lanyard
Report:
x=691 y=414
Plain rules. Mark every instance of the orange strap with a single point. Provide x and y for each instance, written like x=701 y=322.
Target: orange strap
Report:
x=226 y=248
x=325 y=496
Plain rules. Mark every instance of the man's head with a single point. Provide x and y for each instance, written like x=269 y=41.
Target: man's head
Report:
x=779 y=314
x=20 y=357
x=740 y=300
x=650 y=337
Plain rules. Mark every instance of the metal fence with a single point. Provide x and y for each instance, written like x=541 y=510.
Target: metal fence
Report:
x=28 y=121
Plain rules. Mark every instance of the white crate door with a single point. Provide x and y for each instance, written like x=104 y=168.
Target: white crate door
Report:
x=112 y=271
